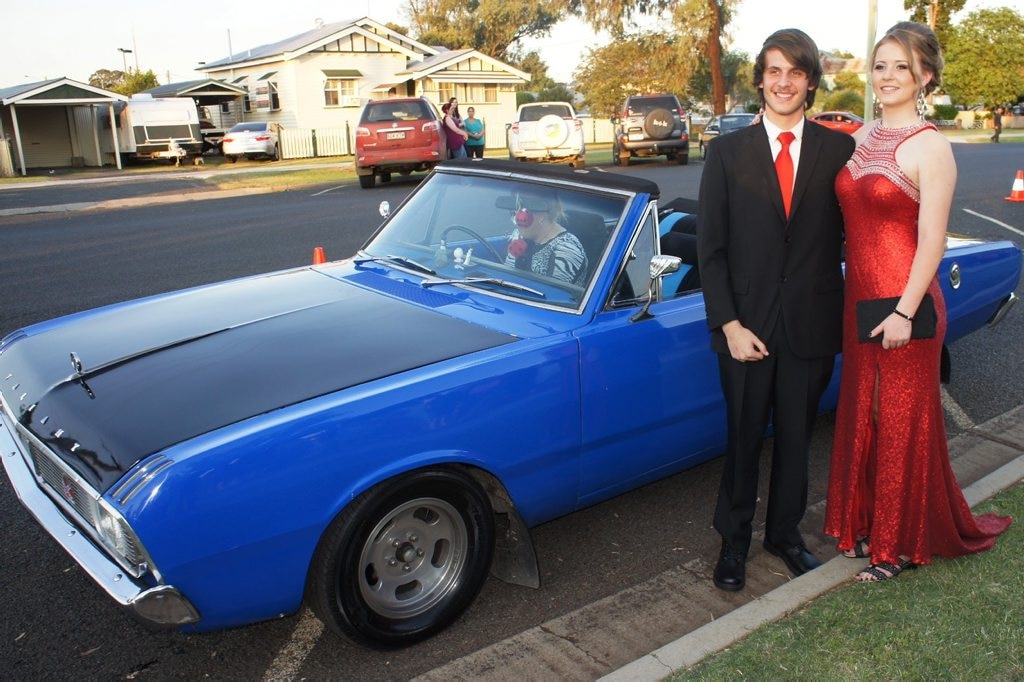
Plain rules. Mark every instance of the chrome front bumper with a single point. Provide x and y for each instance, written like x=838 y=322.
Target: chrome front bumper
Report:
x=162 y=605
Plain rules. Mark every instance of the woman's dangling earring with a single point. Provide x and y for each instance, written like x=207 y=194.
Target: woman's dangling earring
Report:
x=878 y=109
x=922 y=106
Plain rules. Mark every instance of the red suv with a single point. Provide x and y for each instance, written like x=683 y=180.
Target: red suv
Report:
x=398 y=136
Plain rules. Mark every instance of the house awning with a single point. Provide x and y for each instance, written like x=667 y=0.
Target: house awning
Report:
x=384 y=87
x=342 y=73
x=267 y=76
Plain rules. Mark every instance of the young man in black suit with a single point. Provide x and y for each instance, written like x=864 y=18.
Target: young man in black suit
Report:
x=769 y=236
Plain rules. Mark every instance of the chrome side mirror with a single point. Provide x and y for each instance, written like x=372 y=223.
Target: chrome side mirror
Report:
x=660 y=266
x=384 y=209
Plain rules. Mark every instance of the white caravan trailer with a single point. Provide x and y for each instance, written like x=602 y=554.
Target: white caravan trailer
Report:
x=158 y=127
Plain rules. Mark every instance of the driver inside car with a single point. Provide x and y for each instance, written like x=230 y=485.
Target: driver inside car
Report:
x=541 y=244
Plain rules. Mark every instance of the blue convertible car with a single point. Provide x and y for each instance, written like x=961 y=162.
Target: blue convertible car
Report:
x=375 y=435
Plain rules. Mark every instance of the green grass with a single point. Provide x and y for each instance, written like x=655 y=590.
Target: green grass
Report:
x=957 y=619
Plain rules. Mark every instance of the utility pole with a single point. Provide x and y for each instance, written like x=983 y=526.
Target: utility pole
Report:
x=869 y=93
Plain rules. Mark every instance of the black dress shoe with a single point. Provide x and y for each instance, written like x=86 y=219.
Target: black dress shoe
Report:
x=731 y=571
x=797 y=558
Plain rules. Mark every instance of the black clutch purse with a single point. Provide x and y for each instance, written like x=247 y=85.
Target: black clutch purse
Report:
x=871 y=312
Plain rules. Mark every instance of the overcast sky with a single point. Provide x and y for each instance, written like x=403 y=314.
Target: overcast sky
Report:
x=45 y=39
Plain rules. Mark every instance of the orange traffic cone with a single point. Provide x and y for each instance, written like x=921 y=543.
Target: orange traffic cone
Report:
x=319 y=257
x=1017 y=193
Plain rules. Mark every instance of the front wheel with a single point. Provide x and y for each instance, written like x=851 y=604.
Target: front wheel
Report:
x=404 y=559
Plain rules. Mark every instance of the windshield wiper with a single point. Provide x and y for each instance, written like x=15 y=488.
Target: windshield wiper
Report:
x=401 y=260
x=483 y=280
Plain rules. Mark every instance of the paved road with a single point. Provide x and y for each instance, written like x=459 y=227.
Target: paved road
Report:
x=57 y=623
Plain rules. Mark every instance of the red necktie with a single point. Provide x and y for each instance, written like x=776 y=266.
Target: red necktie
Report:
x=784 y=169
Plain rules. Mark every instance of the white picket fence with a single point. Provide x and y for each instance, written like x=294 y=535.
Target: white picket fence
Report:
x=305 y=143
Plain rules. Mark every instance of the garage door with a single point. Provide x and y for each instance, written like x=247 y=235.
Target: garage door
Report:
x=45 y=136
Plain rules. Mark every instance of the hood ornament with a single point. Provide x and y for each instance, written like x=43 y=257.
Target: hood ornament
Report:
x=76 y=364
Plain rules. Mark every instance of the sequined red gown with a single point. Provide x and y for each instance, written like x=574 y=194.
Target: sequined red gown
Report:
x=891 y=479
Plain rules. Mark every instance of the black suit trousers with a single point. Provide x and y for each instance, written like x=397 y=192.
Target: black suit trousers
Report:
x=787 y=389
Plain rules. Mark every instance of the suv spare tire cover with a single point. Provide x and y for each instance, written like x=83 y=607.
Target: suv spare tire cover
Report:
x=552 y=130
x=659 y=124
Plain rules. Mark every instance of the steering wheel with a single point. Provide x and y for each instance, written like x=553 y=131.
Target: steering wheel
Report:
x=462 y=228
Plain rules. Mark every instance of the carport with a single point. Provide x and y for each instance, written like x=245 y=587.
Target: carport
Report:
x=54 y=123
x=206 y=92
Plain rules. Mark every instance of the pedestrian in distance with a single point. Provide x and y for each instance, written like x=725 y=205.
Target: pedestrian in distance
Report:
x=892 y=494
x=769 y=241
x=475 y=128
x=454 y=133
x=997 y=123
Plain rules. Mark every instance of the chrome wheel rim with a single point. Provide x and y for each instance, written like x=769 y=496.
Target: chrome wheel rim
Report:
x=413 y=558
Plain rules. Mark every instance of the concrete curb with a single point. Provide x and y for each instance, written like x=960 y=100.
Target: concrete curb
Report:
x=690 y=649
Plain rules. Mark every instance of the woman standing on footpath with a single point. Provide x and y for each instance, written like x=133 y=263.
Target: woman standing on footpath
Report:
x=475 y=127
x=892 y=494
x=453 y=131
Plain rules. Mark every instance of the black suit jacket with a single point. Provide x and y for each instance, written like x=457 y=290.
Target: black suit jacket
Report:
x=753 y=261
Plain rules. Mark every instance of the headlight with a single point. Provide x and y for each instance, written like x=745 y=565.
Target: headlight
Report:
x=119 y=538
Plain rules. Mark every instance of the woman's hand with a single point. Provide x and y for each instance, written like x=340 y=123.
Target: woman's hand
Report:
x=895 y=332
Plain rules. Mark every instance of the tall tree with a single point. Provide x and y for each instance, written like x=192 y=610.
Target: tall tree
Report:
x=106 y=79
x=615 y=15
x=491 y=26
x=738 y=78
x=935 y=13
x=704 y=23
x=648 y=62
x=124 y=83
x=985 y=58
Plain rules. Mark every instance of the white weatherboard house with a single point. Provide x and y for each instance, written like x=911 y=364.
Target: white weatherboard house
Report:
x=319 y=80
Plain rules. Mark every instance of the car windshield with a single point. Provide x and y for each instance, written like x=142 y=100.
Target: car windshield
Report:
x=736 y=122
x=539 y=111
x=641 y=106
x=386 y=112
x=452 y=217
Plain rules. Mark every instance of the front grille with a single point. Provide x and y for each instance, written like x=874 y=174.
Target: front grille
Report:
x=77 y=498
x=67 y=487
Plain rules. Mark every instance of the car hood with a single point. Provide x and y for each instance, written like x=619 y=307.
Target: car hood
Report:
x=159 y=371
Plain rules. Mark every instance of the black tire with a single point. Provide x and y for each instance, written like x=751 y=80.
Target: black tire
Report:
x=703 y=152
x=579 y=163
x=615 y=155
x=404 y=559
x=624 y=158
x=367 y=181
x=683 y=157
x=277 y=154
x=385 y=177
x=231 y=157
x=659 y=124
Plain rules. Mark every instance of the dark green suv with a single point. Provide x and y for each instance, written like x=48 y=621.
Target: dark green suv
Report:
x=651 y=125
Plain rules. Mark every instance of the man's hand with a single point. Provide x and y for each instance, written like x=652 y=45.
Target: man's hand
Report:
x=743 y=343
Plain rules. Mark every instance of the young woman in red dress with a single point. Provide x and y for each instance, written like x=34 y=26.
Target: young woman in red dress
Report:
x=892 y=494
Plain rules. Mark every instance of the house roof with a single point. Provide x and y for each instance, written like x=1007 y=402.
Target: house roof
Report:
x=204 y=86
x=318 y=36
x=435 y=66
x=57 y=91
x=422 y=60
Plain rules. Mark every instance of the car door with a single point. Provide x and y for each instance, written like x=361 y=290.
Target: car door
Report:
x=651 y=400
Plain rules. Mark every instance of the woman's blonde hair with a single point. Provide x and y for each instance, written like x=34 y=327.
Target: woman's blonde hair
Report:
x=922 y=48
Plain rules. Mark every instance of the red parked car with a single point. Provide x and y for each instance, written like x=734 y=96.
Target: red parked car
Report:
x=399 y=135
x=839 y=120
